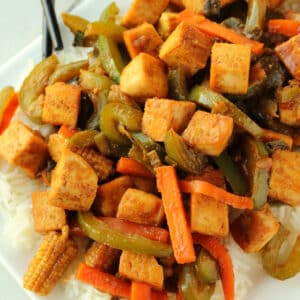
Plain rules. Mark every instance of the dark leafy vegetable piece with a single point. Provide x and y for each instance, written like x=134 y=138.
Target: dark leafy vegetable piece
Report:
x=184 y=157
x=177 y=84
x=103 y=233
x=276 y=145
x=270 y=254
x=232 y=173
x=86 y=110
x=212 y=7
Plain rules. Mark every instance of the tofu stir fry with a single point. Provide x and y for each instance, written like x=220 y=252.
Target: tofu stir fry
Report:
x=179 y=129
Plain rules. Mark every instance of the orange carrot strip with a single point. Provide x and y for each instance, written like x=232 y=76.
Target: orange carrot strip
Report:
x=67 y=131
x=159 y=295
x=286 y=27
x=150 y=232
x=220 y=31
x=9 y=112
x=140 y=290
x=180 y=233
x=130 y=166
x=221 y=255
x=105 y=282
x=208 y=189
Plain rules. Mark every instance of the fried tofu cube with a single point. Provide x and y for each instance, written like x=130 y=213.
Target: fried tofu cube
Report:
x=284 y=182
x=140 y=207
x=46 y=217
x=56 y=145
x=289 y=53
x=160 y=115
x=144 y=77
x=141 y=267
x=230 y=67
x=208 y=133
x=73 y=183
x=109 y=196
x=143 y=38
x=142 y=11
x=167 y=23
x=23 y=148
x=209 y=216
x=254 y=229
x=187 y=48
x=61 y=104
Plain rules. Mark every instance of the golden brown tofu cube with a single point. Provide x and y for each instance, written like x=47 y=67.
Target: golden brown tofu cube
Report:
x=167 y=23
x=160 y=115
x=109 y=196
x=208 y=132
x=289 y=53
x=254 y=229
x=144 y=77
x=56 y=145
x=140 y=207
x=142 y=11
x=73 y=183
x=284 y=182
x=61 y=104
x=143 y=38
x=187 y=48
x=230 y=66
x=209 y=216
x=23 y=148
x=141 y=267
x=46 y=217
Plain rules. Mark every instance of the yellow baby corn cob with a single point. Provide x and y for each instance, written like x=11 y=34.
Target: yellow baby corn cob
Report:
x=51 y=260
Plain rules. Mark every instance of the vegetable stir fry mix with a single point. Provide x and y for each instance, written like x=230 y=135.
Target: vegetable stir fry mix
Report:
x=179 y=129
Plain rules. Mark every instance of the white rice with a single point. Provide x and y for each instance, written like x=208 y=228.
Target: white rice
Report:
x=15 y=202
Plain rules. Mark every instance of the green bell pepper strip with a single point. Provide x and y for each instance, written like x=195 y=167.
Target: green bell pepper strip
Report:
x=33 y=87
x=102 y=233
x=232 y=173
x=207 y=268
x=190 y=287
x=68 y=71
x=82 y=139
x=177 y=84
x=109 y=13
x=184 y=157
x=115 y=114
x=91 y=80
x=110 y=57
x=270 y=255
x=74 y=23
x=217 y=103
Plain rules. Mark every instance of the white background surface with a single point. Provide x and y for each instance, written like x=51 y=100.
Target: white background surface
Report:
x=20 y=24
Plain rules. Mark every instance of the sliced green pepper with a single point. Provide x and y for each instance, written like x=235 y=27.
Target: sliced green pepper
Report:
x=232 y=173
x=33 y=87
x=102 y=233
x=82 y=139
x=108 y=29
x=190 y=287
x=116 y=114
x=207 y=268
x=271 y=252
x=68 y=71
x=74 y=23
x=91 y=80
x=183 y=156
x=217 y=103
x=115 y=95
x=177 y=84
x=5 y=96
x=111 y=58
x=109 y=13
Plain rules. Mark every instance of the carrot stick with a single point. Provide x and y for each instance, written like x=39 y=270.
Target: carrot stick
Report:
x=140 y=290
x=180 y=233
x=159 y=295
x=208 y=189
x=105 y=282
x=286 y=27
x=220 y=31
x=9 y=112
x=150 y=232
x=130 y=166
x=221 y=255
x=67 y=131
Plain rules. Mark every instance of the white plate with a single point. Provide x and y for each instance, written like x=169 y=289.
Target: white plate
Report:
x=16 y=261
